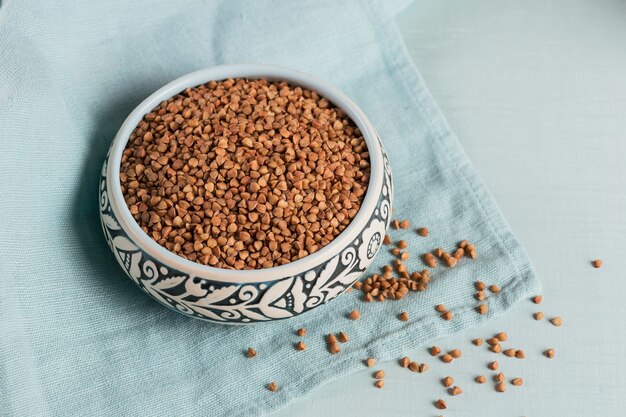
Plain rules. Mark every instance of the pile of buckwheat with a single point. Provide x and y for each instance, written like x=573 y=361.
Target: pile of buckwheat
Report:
x=245 y=174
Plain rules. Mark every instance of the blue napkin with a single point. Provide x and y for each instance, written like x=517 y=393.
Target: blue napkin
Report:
x=77 y=337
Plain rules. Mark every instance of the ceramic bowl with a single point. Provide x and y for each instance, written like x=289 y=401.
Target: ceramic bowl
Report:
x=251 y=296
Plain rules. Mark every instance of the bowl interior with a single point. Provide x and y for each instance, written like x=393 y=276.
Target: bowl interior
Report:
x=251 y=71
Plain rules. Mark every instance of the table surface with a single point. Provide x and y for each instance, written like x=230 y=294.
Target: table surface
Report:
x=536 y=93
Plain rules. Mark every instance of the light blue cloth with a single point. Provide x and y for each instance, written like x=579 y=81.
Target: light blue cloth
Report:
x=76 y=336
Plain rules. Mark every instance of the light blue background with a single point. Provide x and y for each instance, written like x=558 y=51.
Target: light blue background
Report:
x=536 y=93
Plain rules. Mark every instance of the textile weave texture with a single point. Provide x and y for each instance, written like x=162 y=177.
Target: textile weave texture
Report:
x=77 y=337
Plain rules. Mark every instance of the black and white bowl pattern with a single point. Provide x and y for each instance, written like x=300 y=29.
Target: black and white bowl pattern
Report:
x=247 y=302
x=230 y=301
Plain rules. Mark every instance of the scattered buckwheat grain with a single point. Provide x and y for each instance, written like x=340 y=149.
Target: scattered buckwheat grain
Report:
x=333 y=346
x=556 y=321
x=492 y=341
x=404 y=362
x=509 y=352
x=446 y=358
x=494 y=288
x=450 y=261
x=470 y=250
x=430 y=260
x=455 y=353
x=517 y=381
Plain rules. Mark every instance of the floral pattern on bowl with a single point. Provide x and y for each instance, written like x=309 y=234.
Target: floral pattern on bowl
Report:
x=241 y=297
x=241 y=303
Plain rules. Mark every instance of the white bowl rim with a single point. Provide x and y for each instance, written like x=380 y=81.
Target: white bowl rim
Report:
x=250 y=71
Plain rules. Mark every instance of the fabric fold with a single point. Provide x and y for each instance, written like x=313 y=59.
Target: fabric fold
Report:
x=78 y=337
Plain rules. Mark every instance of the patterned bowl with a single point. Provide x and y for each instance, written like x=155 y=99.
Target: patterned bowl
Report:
x=240 y=297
